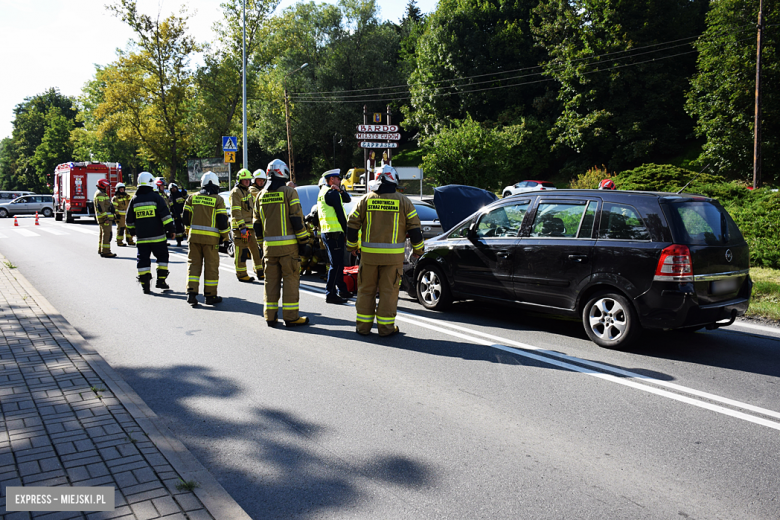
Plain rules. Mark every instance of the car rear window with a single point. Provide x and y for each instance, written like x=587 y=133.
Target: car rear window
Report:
x=703 y=223
x=426 y=212
x=622 y=222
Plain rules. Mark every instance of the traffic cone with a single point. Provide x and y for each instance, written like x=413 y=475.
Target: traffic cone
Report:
x=36 y=219
x=16 y=223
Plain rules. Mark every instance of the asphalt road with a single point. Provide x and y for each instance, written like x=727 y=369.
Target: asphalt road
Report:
x=480 y=412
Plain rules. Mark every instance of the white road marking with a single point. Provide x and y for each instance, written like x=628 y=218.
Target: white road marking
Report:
x=53 y=231
x=3 y=236
x=26 y=233
x=85 y=230
x=762 y=328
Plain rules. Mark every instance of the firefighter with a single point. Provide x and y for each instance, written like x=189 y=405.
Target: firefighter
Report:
x=383 y=218
x=244 y=241
x=159 y=185
x=258 y=182
x=206 y=224
x=607 y=184
x=150 y=221
x=105 y=216
x=279 y=223
x=120 y=202
x=333 y=223
x=178 y=198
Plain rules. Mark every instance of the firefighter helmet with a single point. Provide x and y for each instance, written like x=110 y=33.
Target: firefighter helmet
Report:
x=160 y=182
x=243 y=175
x=209 y=178
x=259 y=174
x=103 y=184
x=120 y=185
x=607 y=184
x=277 y=168
x=387 y=174
x=145 y=179
x=173 y=185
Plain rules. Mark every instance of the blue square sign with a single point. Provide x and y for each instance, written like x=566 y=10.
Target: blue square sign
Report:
x=229 y=143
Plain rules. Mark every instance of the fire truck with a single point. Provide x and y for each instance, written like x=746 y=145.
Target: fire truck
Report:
x=76 y=182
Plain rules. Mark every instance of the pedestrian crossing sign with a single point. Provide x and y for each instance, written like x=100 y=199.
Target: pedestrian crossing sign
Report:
x=230 y=157
x=229 y=143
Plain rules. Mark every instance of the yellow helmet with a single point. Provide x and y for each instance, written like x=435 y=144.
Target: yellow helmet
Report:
x=244 y=174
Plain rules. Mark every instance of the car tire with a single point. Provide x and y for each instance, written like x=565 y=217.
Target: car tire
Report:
x=507 y=194
x=610 y=320
x=58 y=216
x=3 y=213
x=47 y=212
x=432 y=289
x=68 y=217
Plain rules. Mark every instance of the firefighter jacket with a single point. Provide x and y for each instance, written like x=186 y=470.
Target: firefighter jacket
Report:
x=383 y=220
x=120 y=203
x=279 y=220
x=330 y=208
x=241 y=203
x=255 y=191
x=205 y=218
x=177 y=203
x=167 y=200
x=103 y=208
x=148 y=217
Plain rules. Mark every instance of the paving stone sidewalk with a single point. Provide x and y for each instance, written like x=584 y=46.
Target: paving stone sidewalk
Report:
x=68 y=419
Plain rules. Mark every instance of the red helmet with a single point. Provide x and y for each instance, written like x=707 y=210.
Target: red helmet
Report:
x=160 y=182
x=103 y=184
x=607 y=184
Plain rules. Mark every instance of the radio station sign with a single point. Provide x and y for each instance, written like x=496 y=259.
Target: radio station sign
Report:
x=378 y=128
x=378 y=137
x=367 y=144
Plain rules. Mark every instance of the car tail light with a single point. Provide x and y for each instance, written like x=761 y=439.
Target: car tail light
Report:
x=675 y=264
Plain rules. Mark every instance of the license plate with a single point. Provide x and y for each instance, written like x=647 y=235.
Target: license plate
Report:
x=724 y=286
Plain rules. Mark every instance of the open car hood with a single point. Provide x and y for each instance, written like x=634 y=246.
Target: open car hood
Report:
x=455 y=202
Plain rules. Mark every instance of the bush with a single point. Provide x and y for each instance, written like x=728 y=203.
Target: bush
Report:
x=590 y=179
x=662 y=177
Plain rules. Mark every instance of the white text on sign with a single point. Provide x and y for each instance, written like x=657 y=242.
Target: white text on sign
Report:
x=377 y=128
x=379 y=137
x=366 y=144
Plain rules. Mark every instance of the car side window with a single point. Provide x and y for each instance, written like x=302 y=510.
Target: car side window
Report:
x=504 y=221
x=558 y=219
x=461 y=232
x=622 y=222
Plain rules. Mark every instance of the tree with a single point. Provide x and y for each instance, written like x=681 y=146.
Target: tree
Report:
x=619 y=107
x=55 y=147
x=721 y=97
x=149 y=88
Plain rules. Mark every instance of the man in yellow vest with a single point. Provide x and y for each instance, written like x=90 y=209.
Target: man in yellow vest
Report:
x=120 y=201
x=333 y=224
x=279 y=223
x=241 y=203
x=384 y=218
x=206 y=224
x=104 y=212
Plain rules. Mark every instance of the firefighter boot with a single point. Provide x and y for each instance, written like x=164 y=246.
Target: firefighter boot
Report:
x=302 y=320
x=108 y=255
x=120 y=243
x=161 y=284
x=192 y=299
x=145 y=280
x=260 y=275
x=213 y=300
x=130 y=241
x=246 y=278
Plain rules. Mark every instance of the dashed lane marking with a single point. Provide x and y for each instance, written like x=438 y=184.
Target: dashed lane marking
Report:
x=26 y=233
x=53 y=231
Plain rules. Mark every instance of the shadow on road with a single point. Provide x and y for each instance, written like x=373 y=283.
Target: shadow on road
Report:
x=282 y=467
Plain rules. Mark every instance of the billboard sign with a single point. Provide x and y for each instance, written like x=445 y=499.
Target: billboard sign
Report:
x=197 y=167
x=367 y=144
x=378 y=128
x=378 y=137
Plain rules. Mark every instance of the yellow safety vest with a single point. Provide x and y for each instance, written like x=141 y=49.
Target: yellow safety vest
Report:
x=329 y=221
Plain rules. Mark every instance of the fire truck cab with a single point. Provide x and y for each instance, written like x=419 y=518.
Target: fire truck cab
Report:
x=76 y=182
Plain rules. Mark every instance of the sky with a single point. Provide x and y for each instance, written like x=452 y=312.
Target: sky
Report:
x=56 y=43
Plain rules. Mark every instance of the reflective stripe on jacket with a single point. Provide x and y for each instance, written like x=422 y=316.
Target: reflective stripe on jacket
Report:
x=148 y=217
x=274 y=211
x=120 y=203
x=241 y=202
x=201 y=213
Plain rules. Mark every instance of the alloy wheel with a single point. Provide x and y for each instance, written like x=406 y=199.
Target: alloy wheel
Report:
x=608 y=319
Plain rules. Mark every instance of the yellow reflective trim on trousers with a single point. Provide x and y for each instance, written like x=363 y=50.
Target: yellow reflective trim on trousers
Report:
x=271 y=305
x=385 y=321
x=290 y=305
x=194 y=279
x=210 y=283
x=204 y=233
x=383 y=251
x=365 y=318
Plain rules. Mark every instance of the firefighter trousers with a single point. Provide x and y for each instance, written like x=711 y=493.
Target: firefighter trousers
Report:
x=197 y=256
x=387 y=280
x=282 y=271
x=179 y=225
x=105 y=237
x=120 y=231
x=144 y=260
x=242 y=250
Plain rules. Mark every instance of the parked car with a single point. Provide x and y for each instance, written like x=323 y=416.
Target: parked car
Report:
x=28 y=205
x=621 y=261
x=8 y=196
x=227 y=247
x=524 y=186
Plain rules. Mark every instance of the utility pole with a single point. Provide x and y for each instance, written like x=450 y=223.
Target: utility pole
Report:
x=243 y=80
x=757 y=117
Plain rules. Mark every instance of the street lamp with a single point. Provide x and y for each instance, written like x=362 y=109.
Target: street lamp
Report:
x=287 y=118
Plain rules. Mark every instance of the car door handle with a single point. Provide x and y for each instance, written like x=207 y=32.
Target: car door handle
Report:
x=503 y=254
x=580 y=259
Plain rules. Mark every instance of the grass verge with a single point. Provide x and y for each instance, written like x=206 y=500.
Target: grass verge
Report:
x=765 y=302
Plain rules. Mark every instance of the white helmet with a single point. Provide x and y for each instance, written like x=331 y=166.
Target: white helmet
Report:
x=322 y=182
x=387 y=173
x=120 y=185
x=171 y=185
x=259 y=174
x=145 y=179
x=209 y=177
x=278 y=168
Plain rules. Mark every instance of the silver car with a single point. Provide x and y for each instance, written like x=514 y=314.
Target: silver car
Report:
x=28 y=205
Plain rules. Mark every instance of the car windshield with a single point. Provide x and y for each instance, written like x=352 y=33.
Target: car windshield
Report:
x=704 y=223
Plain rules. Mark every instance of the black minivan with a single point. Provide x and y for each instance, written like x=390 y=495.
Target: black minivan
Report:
x=620 y=260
